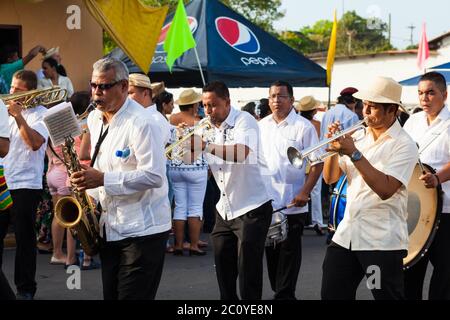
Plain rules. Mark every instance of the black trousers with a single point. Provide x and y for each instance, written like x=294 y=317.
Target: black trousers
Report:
x=6 y=292
x=23 y=215
x=132 y=267
x=439 y=256
x=284 y=260
x=344 y=269
x=238 y=250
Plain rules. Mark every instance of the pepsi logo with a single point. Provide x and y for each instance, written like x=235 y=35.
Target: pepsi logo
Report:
x=193 y=24
x=237 y=35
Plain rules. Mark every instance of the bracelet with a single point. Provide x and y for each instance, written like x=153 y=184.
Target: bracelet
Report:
x=437 y=177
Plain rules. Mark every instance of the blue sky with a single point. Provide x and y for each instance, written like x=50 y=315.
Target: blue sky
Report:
x=436 y=14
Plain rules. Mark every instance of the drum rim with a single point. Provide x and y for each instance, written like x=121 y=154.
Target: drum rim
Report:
x=434 y=229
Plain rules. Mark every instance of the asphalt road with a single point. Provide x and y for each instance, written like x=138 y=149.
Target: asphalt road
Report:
x=184 y=277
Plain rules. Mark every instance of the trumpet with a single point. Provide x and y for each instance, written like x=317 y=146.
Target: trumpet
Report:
x=176 y=151
x=296 y=158
x=34 y=98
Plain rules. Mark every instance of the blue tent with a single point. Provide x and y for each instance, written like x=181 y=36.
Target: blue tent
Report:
x=230 y=49
x=443 y=69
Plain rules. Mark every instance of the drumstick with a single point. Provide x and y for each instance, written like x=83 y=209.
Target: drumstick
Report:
x=421 y=167
x=420 y=162
x=285 y=207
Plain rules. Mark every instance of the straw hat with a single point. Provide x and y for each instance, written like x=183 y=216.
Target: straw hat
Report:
x=143 y=81
x=188 y=96
x=50 y=52
x=382 y=90
x=307 y=103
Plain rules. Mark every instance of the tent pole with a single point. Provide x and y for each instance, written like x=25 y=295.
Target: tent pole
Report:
x=199 y=66
x=329 y=97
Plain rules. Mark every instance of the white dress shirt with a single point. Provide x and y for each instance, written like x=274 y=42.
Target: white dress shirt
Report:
x=242 y=185
x=338 y=113
x=434 y=140
x=371 y=223
x=23 y=166
x=4 y=125
x=132 y=185
x=63 y=82
x=286 y=180
x=161 y=123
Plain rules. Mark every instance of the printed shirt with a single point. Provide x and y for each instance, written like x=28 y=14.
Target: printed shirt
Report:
x=242 y=185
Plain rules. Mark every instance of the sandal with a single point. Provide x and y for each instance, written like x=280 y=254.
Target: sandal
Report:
x=91 y=266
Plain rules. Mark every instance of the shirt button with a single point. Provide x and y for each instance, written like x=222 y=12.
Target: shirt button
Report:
x=223 y=194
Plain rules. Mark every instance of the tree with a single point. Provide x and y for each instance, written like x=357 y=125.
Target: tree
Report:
x=261 y=12
x=356 y=35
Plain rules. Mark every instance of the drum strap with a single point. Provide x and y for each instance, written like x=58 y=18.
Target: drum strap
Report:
x=432 y=135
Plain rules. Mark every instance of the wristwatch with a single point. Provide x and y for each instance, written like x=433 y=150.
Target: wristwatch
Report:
x=356 y=155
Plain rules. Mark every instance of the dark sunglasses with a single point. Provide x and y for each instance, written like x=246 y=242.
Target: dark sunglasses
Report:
x=103 y=86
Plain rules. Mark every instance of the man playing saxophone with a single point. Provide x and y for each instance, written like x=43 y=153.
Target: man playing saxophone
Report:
x=127 y=166
x=24 y=167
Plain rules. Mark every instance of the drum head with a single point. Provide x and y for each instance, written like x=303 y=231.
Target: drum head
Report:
x=424 y=207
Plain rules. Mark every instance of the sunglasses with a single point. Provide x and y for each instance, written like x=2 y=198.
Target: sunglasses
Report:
x=103 y=86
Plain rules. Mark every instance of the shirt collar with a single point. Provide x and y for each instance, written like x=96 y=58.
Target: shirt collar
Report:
x=290 y=119
x=119 y=112
x=231 y=119
x=393 y=131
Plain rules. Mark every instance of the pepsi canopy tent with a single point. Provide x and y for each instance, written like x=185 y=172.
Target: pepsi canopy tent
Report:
x=230 y=49
x=443 y=69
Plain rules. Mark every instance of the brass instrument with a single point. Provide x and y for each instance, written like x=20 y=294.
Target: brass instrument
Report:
x=82 y=118
x=34 y=98
x=176 y=150
x=296 y=158
x=77 y=212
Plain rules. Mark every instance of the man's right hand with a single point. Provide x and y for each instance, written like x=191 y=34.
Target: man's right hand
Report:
x=14 y=109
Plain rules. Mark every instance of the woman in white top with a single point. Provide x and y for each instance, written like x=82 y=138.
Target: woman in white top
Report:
x=53 y=78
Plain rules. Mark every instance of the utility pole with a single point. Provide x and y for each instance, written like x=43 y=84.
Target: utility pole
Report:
x=412 y=27
x=351 y=34
x=389 y=29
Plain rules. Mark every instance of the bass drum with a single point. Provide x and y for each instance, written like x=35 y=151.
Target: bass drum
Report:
x=424 y=209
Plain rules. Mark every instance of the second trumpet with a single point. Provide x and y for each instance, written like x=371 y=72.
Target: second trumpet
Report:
x=297 y=158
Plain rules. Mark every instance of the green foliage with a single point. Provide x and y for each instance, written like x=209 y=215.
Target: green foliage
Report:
x=261 y=12
x=366 y=36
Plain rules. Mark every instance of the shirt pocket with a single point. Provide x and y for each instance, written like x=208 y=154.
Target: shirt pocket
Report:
x=130 y=219
x=290 y=174
x=375 y=226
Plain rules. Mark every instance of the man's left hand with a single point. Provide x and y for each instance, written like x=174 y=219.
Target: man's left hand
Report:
x=88 y=178
x=429 y=180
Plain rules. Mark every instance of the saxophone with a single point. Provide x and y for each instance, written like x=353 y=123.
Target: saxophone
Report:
x=77 y=213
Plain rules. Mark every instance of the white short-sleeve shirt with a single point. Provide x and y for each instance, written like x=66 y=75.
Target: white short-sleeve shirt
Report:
x=242 y=185
x=23 y=166
x=4 y=125
x=371 y=223
x=434 y=144
x=286 y=180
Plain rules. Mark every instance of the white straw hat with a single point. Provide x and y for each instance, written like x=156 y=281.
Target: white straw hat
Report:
x=382 y=90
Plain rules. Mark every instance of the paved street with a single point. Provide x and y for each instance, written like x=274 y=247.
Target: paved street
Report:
x=184 y=278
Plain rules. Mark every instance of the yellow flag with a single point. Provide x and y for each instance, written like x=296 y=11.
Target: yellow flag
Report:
x=134 y=27
x=331 y=50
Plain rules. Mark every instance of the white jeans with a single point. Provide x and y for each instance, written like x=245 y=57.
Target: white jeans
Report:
x=189 y=187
